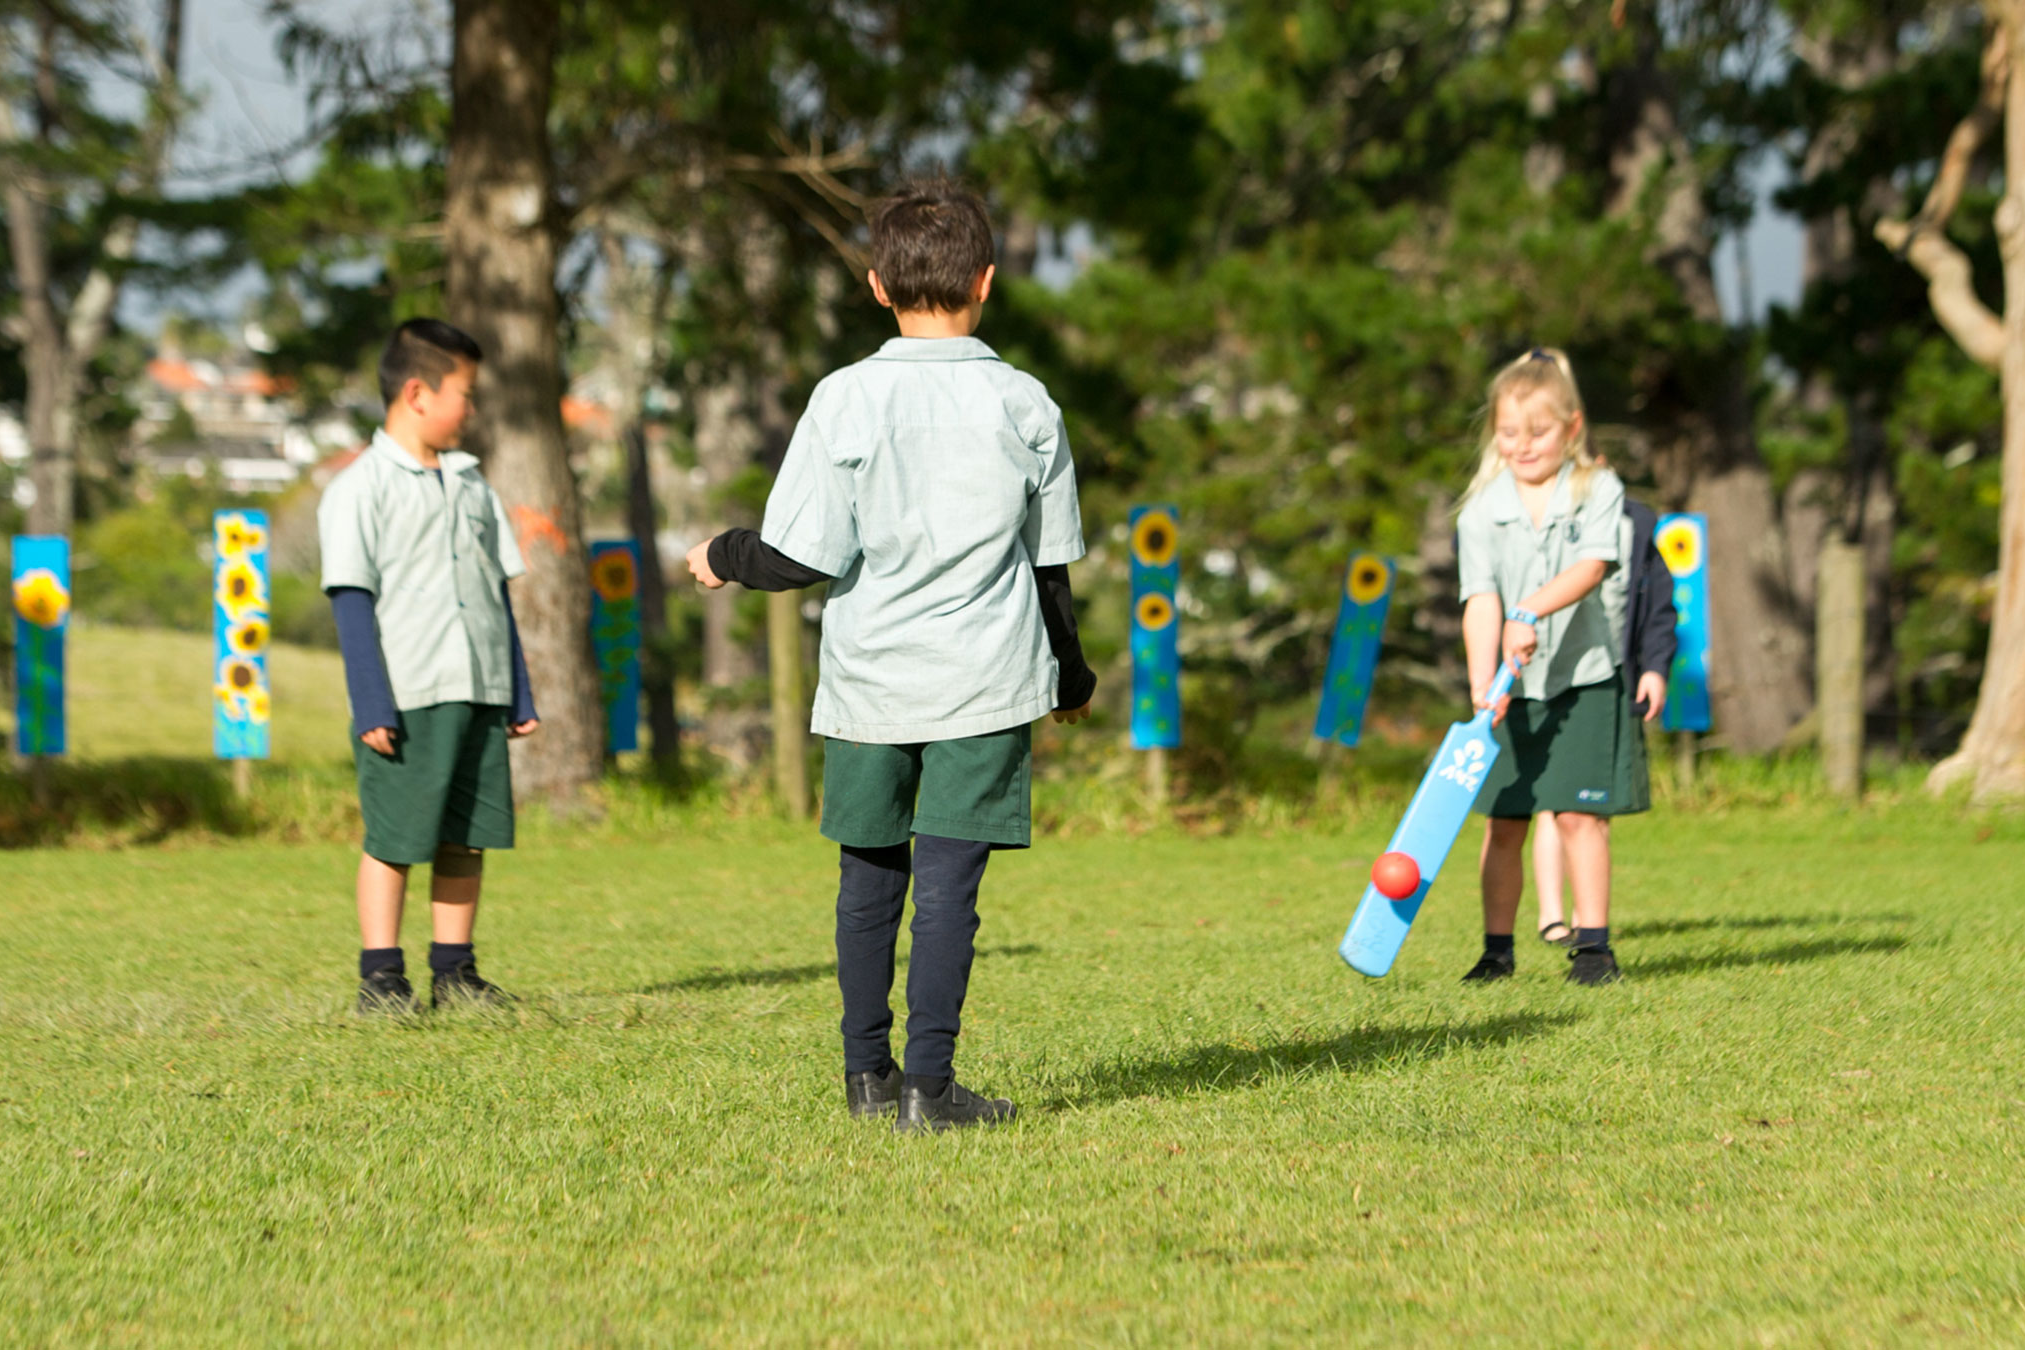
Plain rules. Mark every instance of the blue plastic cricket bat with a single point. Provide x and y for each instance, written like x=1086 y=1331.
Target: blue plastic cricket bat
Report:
x=1427 y=832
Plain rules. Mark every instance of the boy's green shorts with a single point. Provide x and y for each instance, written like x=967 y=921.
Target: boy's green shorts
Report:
x=447 y=782
x=977 y=788
x=1582 y=750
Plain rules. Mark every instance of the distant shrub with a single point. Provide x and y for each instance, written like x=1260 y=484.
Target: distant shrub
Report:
x=141 y=566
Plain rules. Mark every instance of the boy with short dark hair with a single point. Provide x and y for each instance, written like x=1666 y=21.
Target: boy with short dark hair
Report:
x=416 y=557
x=931 y=483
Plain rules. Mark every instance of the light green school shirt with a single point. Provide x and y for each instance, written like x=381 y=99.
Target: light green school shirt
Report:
x=930 y=478
x=1500 y=552
x=434 y=555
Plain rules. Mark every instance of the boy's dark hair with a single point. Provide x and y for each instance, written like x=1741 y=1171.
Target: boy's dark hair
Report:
x=425 y=350
x=930 y=242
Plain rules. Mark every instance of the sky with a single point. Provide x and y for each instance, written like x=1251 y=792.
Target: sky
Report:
x=251 y=113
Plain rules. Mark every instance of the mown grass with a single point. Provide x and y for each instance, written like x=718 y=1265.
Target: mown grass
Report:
x=1796 y=1123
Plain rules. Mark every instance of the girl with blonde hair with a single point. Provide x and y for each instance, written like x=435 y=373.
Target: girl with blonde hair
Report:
x=1537 y=536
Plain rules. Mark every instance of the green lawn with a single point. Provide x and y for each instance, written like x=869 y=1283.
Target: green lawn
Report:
x=147 y=692
x=1797 y=1122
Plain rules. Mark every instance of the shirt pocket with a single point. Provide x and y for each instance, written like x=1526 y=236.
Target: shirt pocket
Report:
x=478 y=534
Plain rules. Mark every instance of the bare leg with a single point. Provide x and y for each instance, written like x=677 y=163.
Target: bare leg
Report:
x=383 y=893
x=1503 y=868
x=453 y=893
x=1587 y=841
x=1547 y=869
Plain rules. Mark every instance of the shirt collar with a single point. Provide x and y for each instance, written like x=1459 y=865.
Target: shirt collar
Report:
x=1502 y=496
x=934 y=349
x=453 y=461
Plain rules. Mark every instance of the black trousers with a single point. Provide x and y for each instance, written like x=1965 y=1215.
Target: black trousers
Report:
x=871 y=893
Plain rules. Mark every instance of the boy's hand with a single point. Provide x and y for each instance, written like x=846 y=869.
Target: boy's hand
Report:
x=520 y=729
x=1071 y=715
x=1652 y=693
x=1521 y=641
x=699 y=566
x=380 y=740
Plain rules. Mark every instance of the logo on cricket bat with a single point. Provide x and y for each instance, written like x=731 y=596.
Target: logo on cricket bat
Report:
x=1466 y=770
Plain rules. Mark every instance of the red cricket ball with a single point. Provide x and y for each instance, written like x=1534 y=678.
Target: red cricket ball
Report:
x=1396 y=875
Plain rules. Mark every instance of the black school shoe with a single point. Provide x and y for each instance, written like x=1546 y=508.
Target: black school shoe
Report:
x=873 y=1094
x=463 y=985
x=955 y=1106
x=386 y=991
x=1492 y=966
x=1593 y=965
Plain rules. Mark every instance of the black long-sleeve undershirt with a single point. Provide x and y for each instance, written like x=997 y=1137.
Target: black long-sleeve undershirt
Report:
x=742 y=556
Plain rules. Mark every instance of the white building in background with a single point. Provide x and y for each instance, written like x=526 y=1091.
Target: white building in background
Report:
x=197 y=415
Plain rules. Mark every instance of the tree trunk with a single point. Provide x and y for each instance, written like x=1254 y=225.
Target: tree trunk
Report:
x=501 y=249
x=58 y=348
x=1838 y=663
x=1758 y=645
x=790 y=701
x=657 y=657
x=1992 y=754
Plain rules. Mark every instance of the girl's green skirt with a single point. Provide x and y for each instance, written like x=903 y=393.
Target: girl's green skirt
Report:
x=1582 y=750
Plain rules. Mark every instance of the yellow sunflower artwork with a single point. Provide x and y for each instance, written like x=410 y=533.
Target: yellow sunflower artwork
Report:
x=259 y=707
x=238 y=681
x=236 y=536
x=1154 y=611
x=1680 y=545
x=613 y=576
x=240 y=588
x=1155 y=539
x=1369 y=576
x=41 y=598
x=248 y=636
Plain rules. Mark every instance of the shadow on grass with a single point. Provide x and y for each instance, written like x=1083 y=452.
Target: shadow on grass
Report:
x=1233 y=1066
x=1786 y=954
x=1669 y=927
x=774 y=975
x=144 y=799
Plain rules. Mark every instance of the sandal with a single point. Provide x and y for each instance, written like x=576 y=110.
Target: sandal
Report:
x=1567 y=934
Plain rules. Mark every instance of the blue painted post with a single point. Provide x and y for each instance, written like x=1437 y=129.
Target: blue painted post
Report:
x=242 y=700
x=1353 y=652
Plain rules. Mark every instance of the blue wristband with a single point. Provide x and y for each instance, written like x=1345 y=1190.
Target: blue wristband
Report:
x=1520 y=614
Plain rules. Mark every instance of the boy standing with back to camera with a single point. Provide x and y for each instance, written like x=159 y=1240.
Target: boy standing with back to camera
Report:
x=931 y=484
x=416 y=557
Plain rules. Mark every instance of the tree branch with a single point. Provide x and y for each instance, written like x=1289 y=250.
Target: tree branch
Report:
x=1967 y=138
x=1923 y=240
x=1951 y=288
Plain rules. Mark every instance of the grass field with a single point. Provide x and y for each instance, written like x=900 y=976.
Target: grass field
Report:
x=1798 y=1122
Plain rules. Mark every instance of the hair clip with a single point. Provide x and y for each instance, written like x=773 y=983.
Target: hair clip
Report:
x=1539 y=354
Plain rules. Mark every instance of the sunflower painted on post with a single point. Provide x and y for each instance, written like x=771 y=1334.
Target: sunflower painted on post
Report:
x=1353 y=653
x=615 y=638
x=241 y=702
x=1156 y=629
x=41 y=619
x=1683 y=542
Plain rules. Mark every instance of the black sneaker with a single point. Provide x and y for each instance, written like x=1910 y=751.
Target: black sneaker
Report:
x=1593 y=965
x=955 y=1106
x=873 y=1094
x=463 y=985
x=1492 y=966
x=386 y=991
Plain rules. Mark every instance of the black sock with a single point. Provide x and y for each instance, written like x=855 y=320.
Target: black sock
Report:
x=445 y=957
x=932 y=1084
x=373 y=960
x=1593 y=939
x=1498 y=944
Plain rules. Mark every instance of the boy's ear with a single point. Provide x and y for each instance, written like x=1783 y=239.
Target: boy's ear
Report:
x=878 y=289
x=981 y=292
